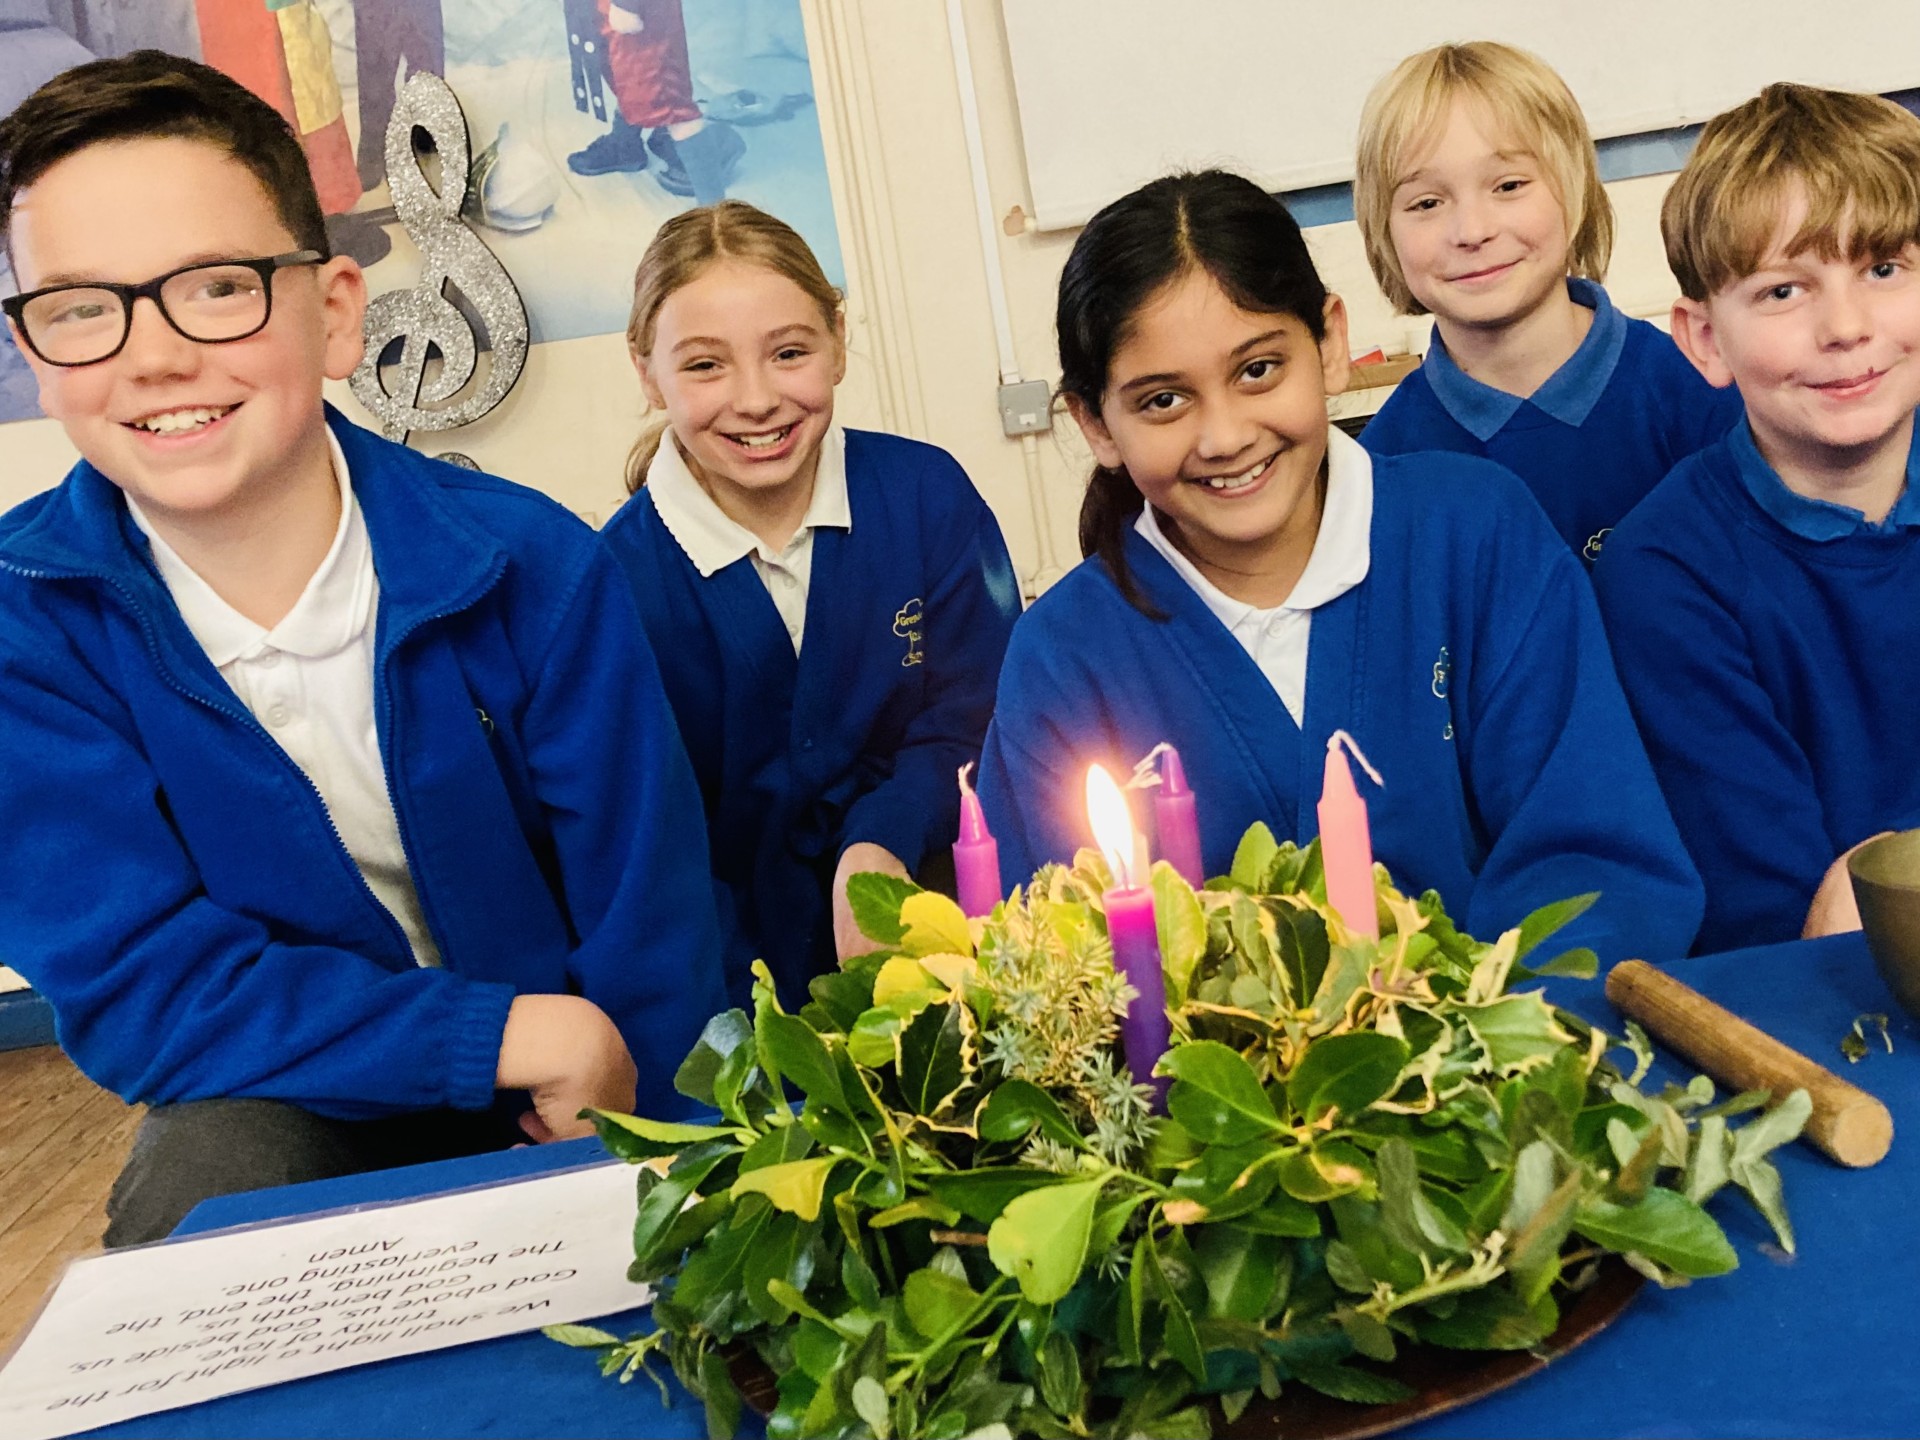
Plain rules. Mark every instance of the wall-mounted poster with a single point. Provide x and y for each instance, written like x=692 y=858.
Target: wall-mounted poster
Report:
x=592 y=121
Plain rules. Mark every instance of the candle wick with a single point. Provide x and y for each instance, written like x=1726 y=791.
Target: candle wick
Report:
x=1146 y=773
x=1341 y=738
x=966 y=788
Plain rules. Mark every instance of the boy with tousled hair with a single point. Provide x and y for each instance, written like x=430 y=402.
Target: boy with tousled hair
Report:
x=1764 y=600
x=1479 y=200
x=343 y=800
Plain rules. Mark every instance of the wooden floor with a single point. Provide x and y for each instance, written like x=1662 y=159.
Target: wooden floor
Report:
x=62 y=1139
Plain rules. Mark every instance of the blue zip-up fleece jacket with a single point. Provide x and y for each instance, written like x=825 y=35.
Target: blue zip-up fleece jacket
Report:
x=174 y=885
x=860 y=735
x=1469 y=665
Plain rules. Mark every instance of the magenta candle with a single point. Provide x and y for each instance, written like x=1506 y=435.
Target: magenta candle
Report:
x=1144 y=1032
x=1346 y=848
x=1176 y=821
x=976 y=855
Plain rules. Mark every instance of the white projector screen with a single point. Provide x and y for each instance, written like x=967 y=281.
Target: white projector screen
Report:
x=1115 y=92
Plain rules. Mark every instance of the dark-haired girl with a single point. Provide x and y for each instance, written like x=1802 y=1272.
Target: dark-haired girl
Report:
x=1255 y=582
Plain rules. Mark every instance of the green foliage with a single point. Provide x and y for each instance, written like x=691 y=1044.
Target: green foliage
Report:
x=936 y=1203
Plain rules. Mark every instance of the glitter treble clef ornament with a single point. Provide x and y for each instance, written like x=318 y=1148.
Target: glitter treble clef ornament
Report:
x=412 y=395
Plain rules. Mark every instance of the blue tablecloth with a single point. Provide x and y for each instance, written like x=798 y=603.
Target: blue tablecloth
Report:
x=1815 y=1345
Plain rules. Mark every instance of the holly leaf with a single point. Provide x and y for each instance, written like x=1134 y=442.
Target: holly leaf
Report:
x=931 y=1058
x=1518 y=1032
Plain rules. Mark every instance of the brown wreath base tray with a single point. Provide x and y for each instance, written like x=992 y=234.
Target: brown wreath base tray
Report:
x=1443 y=1380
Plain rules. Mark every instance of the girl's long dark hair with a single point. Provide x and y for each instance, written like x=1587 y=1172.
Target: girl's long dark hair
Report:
x=1213 y=221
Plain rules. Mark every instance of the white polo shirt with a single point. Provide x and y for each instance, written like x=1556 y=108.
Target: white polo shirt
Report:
x=309 y=681
x=1277 y=637
x=712 y=541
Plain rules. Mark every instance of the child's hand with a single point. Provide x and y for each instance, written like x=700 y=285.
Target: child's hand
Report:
x=858 y=859
x=564 y=1052
x=1834 y=910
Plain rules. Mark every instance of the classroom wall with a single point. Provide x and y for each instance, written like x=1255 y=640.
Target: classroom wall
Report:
x=924 y=359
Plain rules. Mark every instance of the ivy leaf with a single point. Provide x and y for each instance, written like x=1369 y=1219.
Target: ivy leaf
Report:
x=1662 y=1225
x=1016 y=1106
x=634 y=1137
x=1253 y=858
x=931 y=1059
x=1216 y=1096
x=1345 y=1073
x=934 y=925
x=876 y=902
x=1182 y=926
x=724 y=1034
x=796 y=1186
x=1040 y=1238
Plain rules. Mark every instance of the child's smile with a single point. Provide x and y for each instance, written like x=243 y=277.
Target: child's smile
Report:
x=1219 y=417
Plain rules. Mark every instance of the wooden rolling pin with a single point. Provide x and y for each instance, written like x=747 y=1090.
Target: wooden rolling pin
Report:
x=1847 y=1124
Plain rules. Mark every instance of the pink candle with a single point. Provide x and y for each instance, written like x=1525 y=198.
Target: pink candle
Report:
x=1176 y=821
x=976 y=855
x=1144 y=1031
x=1346 y=849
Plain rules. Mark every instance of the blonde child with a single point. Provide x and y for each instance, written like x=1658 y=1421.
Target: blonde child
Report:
x=1764 y=602
x=829 y=606
x=1480 y=204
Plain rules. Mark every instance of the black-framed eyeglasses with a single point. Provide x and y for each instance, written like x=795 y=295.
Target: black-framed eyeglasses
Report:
x=211 y=303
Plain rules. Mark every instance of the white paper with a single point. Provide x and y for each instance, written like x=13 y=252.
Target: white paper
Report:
x=12 y=980
x=138 y=1331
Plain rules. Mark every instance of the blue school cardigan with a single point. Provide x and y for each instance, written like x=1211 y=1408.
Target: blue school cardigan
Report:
x=860 y=736
x=1770 y=646
x=175 y=887
x=1602 y=431
x=1469 y=665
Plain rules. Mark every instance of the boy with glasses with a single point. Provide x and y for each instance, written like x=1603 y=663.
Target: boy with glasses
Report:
x=344 y=808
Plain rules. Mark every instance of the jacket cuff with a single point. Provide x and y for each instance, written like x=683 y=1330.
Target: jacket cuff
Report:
x=478 y=1023
x=894 y=828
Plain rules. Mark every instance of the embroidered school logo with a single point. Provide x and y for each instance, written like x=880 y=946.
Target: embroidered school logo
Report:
x=1590 y=552
x=1442 y=682
x=907 y=621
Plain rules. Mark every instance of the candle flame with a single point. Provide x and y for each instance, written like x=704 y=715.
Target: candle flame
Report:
x=1112 y=824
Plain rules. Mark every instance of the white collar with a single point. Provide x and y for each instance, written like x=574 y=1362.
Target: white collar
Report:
x=1341 y=551
x=331 y=613
x=710 y=538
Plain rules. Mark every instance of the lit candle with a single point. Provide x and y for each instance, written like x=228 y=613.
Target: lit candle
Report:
x=1346 y=849
x=976 y=854
x=1176 y=821
x=1136 y=942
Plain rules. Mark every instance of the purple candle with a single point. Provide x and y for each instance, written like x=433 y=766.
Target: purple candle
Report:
x=976 y=855
x=1136 y=941
x=1175 y=819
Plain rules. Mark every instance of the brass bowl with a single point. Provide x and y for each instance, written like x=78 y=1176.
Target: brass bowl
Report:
x=1886 y=883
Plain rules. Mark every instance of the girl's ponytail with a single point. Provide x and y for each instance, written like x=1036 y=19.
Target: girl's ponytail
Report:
x=1107 y=511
